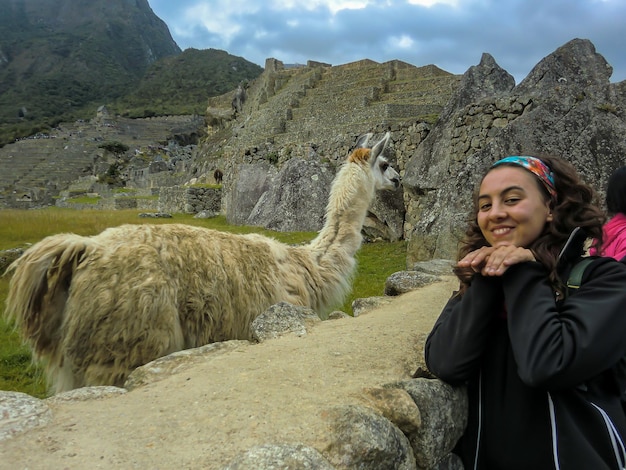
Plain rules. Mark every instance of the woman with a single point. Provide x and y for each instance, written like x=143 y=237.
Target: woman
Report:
x=614 y=243
x=541 y=367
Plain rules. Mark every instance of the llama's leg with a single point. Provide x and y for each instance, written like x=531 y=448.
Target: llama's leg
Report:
x=161 y=338
x=113 y=327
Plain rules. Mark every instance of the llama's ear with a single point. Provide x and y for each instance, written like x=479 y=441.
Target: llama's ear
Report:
x=362 y=141
x=379 y=147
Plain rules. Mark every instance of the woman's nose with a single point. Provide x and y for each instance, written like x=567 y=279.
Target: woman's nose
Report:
x=497 y=211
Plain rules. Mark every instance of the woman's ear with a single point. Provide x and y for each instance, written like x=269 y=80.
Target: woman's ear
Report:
x=550 y=217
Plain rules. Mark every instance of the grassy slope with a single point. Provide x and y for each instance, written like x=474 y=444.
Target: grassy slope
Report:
x=376 y=262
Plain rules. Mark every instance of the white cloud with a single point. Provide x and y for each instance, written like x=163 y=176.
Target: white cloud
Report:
x=218 y=17
x=430 y=3
x=333 y=5
x=402 y=42
x=451 y=34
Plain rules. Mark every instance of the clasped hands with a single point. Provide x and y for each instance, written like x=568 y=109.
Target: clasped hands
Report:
x=494 y=261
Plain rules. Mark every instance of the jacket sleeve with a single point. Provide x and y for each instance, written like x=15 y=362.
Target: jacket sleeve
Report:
x=455 y=345
x=560 y=346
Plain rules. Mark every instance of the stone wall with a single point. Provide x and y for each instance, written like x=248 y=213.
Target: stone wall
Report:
x=190 y=200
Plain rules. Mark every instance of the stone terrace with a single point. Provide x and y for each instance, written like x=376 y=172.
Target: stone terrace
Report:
x=71 y=150
x=317 y=101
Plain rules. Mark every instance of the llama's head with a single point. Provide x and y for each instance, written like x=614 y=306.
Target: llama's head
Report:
x=385 y=177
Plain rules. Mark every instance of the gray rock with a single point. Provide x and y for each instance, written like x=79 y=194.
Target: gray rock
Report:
x=406 y=281
x=250 y=183
x=86 y=393
x=286 y=456
x=438 y=267
x=8 y=256
x=361 y=306
x=362 y=438
x=280 y=319
x=177 y=362
x=443 y=410
x=296 y=199
x=156 y=215
x=20 y=412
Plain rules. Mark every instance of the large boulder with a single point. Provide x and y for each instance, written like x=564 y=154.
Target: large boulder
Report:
x=566 y=106
x=296 y=199
x=252 y=180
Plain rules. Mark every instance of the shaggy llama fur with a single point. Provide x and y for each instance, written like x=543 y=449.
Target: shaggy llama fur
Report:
x=94 y=308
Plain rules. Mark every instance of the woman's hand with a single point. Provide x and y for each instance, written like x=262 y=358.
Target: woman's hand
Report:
x=494 y=261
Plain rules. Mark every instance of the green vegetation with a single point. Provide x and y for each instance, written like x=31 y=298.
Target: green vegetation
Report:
x=183 y=83
x=376 y=262
x=114 y=147
x=205 y=186
x=60 y=69
x=608 y=107
x=84 y=200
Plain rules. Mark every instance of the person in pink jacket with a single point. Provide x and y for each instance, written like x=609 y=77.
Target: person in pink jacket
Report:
x=614 y=231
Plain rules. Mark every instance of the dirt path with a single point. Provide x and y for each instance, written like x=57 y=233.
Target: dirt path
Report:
x=257 y=394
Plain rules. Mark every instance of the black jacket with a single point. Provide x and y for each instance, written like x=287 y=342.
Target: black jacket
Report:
x=542 y=389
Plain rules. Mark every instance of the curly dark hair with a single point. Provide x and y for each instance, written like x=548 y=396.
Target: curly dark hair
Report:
x=576 y=205
x=616 y=192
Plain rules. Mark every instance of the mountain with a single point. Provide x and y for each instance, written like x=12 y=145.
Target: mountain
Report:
x=61 y=59
x=57 y=56
x=181 y=84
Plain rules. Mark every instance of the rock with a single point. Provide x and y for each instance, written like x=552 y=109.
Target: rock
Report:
x=361 y=306
x=206 y=215
x=396 y=405
x=178 y=361
x=250 y=183
x=566 y=106
x=405 y=281
x=8 y=256
x=20 y=412
x=437 y=267
x=86 y=393
x=280 y=319
x=296 y=199
x=443 y=410
x=287 y=456
x=362 y=438
x=156 y=215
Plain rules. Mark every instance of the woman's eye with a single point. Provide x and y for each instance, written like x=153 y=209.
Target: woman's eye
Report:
x=511 y=200
x=484 y=207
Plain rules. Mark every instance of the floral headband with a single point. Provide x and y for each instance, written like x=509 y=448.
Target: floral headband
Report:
x=535 y=166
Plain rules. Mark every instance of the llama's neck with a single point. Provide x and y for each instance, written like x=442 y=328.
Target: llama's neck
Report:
x=350 y=197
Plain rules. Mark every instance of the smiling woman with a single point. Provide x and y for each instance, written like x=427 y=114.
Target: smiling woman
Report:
x=513 y=207
x=543 y=371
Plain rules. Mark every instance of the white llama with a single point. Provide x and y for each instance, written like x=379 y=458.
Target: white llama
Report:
x=94 y=308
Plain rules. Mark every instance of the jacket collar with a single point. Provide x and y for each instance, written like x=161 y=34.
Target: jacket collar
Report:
x=573 y=249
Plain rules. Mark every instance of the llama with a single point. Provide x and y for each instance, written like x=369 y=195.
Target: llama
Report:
x=94 y=308
x=218 y=175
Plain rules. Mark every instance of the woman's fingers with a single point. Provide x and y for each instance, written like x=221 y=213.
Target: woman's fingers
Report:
x=492 y=261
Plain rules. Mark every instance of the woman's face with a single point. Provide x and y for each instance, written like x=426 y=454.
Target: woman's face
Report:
x=512 y=208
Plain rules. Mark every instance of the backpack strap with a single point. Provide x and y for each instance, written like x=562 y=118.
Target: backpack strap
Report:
x=576 y=274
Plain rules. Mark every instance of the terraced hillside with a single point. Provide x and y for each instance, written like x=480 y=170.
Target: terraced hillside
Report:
x=286 y=111
x=70 y=151
x=296 y=105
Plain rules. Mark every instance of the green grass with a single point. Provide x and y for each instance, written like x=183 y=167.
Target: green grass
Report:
x=376 y=262
x=84 y=200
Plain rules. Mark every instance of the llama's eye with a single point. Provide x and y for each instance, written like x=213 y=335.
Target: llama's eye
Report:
x=384 y=166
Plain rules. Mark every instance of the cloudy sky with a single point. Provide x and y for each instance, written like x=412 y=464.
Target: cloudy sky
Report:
x=452 y=34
